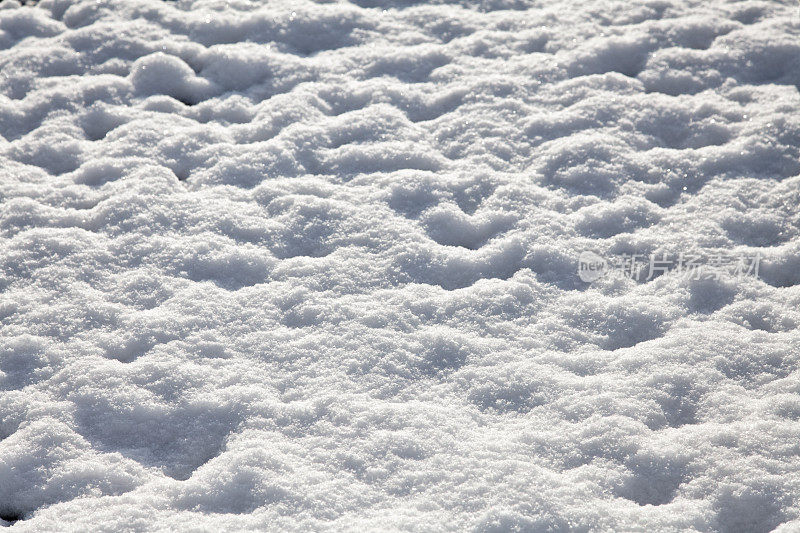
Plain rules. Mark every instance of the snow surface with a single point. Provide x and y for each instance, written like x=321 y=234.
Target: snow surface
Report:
x=312 y=266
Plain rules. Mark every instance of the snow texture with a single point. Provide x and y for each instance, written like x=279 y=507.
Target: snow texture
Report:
x=312 y=265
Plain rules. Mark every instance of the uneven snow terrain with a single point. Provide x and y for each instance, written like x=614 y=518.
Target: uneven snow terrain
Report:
x=314 y=266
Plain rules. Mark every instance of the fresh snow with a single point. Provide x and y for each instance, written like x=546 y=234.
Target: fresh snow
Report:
x=298 y=265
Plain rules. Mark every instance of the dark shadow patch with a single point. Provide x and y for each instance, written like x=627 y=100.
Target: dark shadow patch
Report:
x=700 y=42
x=160 y=441
x=303 y=316
x=746 y=365
x=357 y=163
x=781 y=272
x=619 y=327
x=709 y=295
x=447 y=229
x=97 y=134
x=629 y=60
x=653 y=481
x=759 y=323
x=229 y=284
x=751 y=510
x=434 y=110
x=442 y=356
x=230 y=272
x=608 y=224
x=445 y=30
x=506 y=398
x=749 y=15
x=409 y=68
x=131 y=351
x=678 y=411
x=300 y=249
x=470 y=198
x=678 y=401
x=248 y=497
x=678 y=130
x=411 y=199
x=54 y=160
x=757 y=232
x=11 y=516
x=451 y=280
x=97 y=123
x=694 y=137
x=788 y=412
x=764 y=317
x=181 y=174
x=664 y=197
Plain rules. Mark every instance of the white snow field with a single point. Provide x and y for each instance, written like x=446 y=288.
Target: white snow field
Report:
x=313 y=266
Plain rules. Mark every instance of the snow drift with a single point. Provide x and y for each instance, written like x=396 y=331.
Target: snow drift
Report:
x=313 y=265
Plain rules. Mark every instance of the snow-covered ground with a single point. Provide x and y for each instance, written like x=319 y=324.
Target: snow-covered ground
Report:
x=303 y=265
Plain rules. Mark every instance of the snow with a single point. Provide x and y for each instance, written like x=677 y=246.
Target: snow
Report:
x=313 y=265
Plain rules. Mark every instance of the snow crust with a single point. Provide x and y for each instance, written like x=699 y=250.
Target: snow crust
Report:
x=312 y=266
